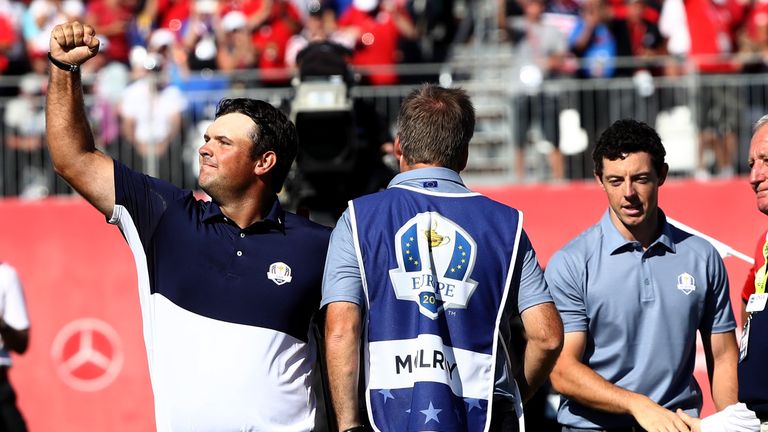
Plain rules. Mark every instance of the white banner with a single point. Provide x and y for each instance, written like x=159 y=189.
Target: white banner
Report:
x=401 y=363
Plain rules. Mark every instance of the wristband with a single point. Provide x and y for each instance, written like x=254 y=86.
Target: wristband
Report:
x=63 y=66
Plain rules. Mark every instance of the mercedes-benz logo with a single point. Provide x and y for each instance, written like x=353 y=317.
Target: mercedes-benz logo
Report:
x=88 y=354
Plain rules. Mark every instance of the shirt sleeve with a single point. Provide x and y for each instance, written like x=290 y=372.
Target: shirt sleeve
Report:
x=566 y=284
x=559 y=43
x=342 y=281
x=144 y=198
x=718 y=316
x=533 y=287
x=15 y=308
x=575 y=33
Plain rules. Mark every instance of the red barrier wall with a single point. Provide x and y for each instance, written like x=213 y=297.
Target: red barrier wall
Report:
x=80 y=286
x=86 y=366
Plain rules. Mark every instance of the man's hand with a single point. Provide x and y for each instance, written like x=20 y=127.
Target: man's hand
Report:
x=73 y=43
x=692 y=422
x=654 y=418
x=69 y=137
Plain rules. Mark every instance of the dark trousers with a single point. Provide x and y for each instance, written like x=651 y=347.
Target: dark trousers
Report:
x=504 y=417
x=11 y=419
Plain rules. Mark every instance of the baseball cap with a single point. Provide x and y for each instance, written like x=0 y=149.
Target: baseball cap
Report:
x=160 y=38
x=233 y=20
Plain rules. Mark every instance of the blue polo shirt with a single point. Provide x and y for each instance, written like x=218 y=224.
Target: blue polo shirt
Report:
x=640 y=311
x=342 y=280
x=225 y=310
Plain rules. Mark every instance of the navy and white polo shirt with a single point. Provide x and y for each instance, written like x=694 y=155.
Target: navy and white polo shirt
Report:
x=225 y=310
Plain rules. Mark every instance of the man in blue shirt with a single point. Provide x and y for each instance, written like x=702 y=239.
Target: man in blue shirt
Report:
x=632 y=291
x=226 y=294
x=429 y=276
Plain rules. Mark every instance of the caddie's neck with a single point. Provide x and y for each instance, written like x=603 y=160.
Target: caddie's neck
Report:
x=405 y=166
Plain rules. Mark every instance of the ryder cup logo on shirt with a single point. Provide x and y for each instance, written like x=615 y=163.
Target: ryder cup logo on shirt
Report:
x=279 y=273
x=686 y=283
x=435 y=258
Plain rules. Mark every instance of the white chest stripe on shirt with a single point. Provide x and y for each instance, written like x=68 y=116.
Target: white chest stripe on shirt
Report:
x=214 y=375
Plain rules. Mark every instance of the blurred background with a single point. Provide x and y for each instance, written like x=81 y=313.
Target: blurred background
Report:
x=546 y=78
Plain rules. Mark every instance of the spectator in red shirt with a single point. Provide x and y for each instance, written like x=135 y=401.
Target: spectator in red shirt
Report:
x=712 y=26
x=171 y=14
x=7 y=40
x=753 y=40
x=235 y=49
x=271 y=23
x=378 y=25
x=271 y=37
x=112 y=19
x=637 y=36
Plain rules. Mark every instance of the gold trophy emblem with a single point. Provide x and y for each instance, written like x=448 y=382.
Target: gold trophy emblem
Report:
x=434 y=238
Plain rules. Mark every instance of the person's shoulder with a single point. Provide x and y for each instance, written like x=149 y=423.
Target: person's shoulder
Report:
x=686 y=242
x=308 y=229
x=126 y=176
x=585 y=243
x=7 y=272
x=378 y=197
x=495 y=207
x=493 y=202
x=579 y=251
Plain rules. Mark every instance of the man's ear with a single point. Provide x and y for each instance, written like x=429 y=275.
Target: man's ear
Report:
x=663 y=174
x=464 y=159
x=265 y=162
x=598 y=179
x=398 y=149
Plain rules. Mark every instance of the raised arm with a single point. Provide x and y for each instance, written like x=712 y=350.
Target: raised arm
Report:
x=68 y=133
x=578 y=382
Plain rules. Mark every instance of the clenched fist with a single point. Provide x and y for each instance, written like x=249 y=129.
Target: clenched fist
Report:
x=73 y=43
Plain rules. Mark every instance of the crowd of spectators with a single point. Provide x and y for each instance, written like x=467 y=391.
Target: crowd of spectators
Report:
x=219 y=44
x=232 y=35
x=154 y=52
x=639 y=39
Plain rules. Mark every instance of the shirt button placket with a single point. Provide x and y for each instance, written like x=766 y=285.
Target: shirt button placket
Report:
x=647 y=287
x=239 y=252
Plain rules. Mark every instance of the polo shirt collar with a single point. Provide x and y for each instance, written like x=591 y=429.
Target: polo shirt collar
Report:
x=616 y=243
x=275 y=217
x=430 y=173
x=666 y=237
